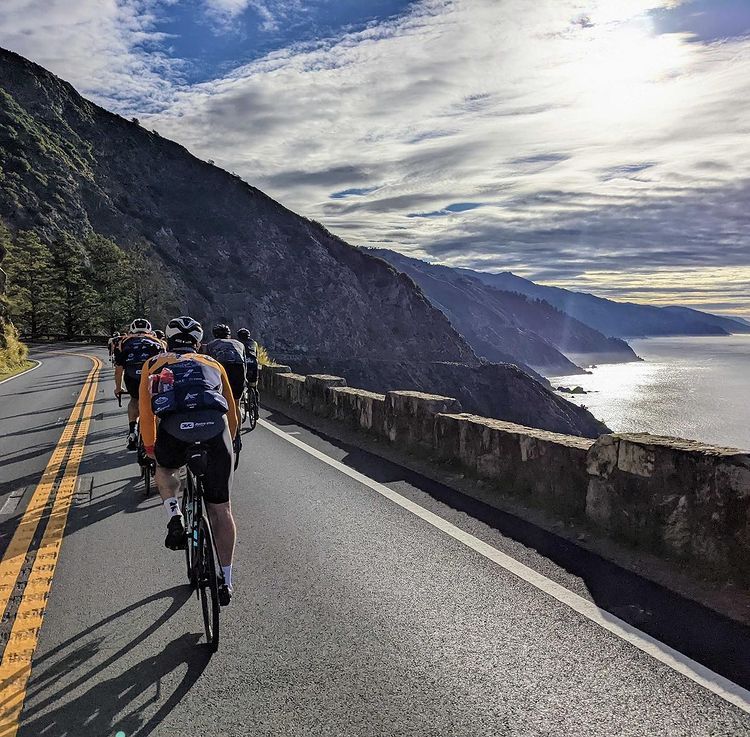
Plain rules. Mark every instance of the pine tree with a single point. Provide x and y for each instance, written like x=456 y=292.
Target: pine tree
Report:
x=28 y=264
x=109 y=275
x=77 y=301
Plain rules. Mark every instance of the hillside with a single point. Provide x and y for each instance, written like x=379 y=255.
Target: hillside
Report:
x=76 y=177
x=235 y=254
x=618 y=319
x=500 y=324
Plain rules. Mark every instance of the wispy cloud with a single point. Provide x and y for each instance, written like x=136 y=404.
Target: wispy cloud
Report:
x=270 y=12
x=110 y=49
x=594 y=141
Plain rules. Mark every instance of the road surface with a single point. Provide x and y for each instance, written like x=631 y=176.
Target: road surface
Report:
x=365 y=605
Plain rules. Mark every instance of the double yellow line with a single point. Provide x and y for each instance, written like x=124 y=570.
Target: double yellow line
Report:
x=15 y=667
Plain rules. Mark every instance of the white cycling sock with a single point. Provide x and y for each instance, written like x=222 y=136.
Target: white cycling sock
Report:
x=173 y=507
x=227 y=571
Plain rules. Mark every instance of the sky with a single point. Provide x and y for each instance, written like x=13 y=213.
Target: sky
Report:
x=601 y=145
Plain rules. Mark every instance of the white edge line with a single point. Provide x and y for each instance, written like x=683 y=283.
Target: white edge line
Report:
x=23 y=373
x=677 y=661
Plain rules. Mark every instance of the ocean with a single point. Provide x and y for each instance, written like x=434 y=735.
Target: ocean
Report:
x=688 y=387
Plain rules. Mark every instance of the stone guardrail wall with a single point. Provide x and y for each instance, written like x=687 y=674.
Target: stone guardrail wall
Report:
x=679 y=499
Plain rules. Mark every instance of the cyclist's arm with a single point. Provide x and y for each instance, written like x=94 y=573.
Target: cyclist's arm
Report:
x=147 y=420
x=118 y=378
x=226 y=390
x=119 y=365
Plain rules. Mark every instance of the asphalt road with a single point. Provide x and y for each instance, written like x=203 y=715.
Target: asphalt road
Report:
x=352 y=615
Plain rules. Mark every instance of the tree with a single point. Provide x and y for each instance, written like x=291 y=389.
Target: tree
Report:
x=30 y=286
x=109 y=272
x=77 y=299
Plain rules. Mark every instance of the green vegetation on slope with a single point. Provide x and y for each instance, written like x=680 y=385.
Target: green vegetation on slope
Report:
x=73 y=287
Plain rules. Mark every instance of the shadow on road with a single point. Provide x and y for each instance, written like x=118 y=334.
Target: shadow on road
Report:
x=61 y=702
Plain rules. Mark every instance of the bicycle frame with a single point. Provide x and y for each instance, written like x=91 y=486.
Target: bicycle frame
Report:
x=198 y=531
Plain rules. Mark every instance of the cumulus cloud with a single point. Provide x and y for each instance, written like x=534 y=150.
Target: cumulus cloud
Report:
x=582 y=139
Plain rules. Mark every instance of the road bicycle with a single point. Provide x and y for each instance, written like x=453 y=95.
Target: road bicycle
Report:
x=203 y=570
x=250 y=406
x=146 y=464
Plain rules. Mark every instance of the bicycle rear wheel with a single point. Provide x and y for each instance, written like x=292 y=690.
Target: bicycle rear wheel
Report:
x=187 y=516
x=208 y=584
x=244 y=407
x=252 y=407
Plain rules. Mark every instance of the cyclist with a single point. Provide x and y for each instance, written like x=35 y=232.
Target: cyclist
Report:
x=185 y=397
x=230 y=354
x=111 y=343
x=130 y=353
x=251 y=359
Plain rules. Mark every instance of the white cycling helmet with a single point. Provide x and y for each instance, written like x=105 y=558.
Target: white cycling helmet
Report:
x=140 y=325
x=184 y=330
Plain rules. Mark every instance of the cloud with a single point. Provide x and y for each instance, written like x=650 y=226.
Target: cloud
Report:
x=270 y=13
x=110 y=49
x=594 y=142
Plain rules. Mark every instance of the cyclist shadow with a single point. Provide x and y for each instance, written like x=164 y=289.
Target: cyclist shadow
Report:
x=119 y=702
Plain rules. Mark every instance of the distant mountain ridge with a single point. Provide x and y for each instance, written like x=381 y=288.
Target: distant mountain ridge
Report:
x=617 y=319
x=505 y=325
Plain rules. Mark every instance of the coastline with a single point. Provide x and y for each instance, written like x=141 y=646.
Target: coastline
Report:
x=685 y=386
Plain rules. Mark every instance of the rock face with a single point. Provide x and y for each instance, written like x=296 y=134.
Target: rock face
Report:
x=506 y=326
x=237 y=255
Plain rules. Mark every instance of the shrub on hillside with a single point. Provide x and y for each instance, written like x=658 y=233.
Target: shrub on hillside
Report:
x=13 y=353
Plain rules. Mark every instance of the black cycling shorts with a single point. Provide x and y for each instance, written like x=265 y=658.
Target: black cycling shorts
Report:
x=132 y=385
x=173 y=453
x=236 y=376
x=252 y=373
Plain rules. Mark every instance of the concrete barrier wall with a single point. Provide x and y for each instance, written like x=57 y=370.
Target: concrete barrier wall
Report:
x=676 y=498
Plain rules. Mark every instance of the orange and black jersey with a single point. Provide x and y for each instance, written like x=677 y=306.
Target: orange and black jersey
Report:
x=215 y=374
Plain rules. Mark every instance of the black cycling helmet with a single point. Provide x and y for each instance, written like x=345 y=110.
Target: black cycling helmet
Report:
x=159 y=334
x=115 y=334
x=221 y=331
x=243 y=334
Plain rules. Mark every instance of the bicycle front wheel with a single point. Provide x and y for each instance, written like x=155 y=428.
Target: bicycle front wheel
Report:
x=208 y=585
x=148 y=472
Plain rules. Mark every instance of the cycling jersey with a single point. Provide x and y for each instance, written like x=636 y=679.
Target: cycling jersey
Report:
x=134 y=350
x=131 y=352
x=251 y=362
x=200 y=393
x=225 y=350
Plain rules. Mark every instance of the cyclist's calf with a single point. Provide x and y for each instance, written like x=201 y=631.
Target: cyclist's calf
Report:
x=167 y=481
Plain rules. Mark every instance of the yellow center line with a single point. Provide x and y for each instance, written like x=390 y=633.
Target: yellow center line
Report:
x=15 y=554
x=15 y=667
